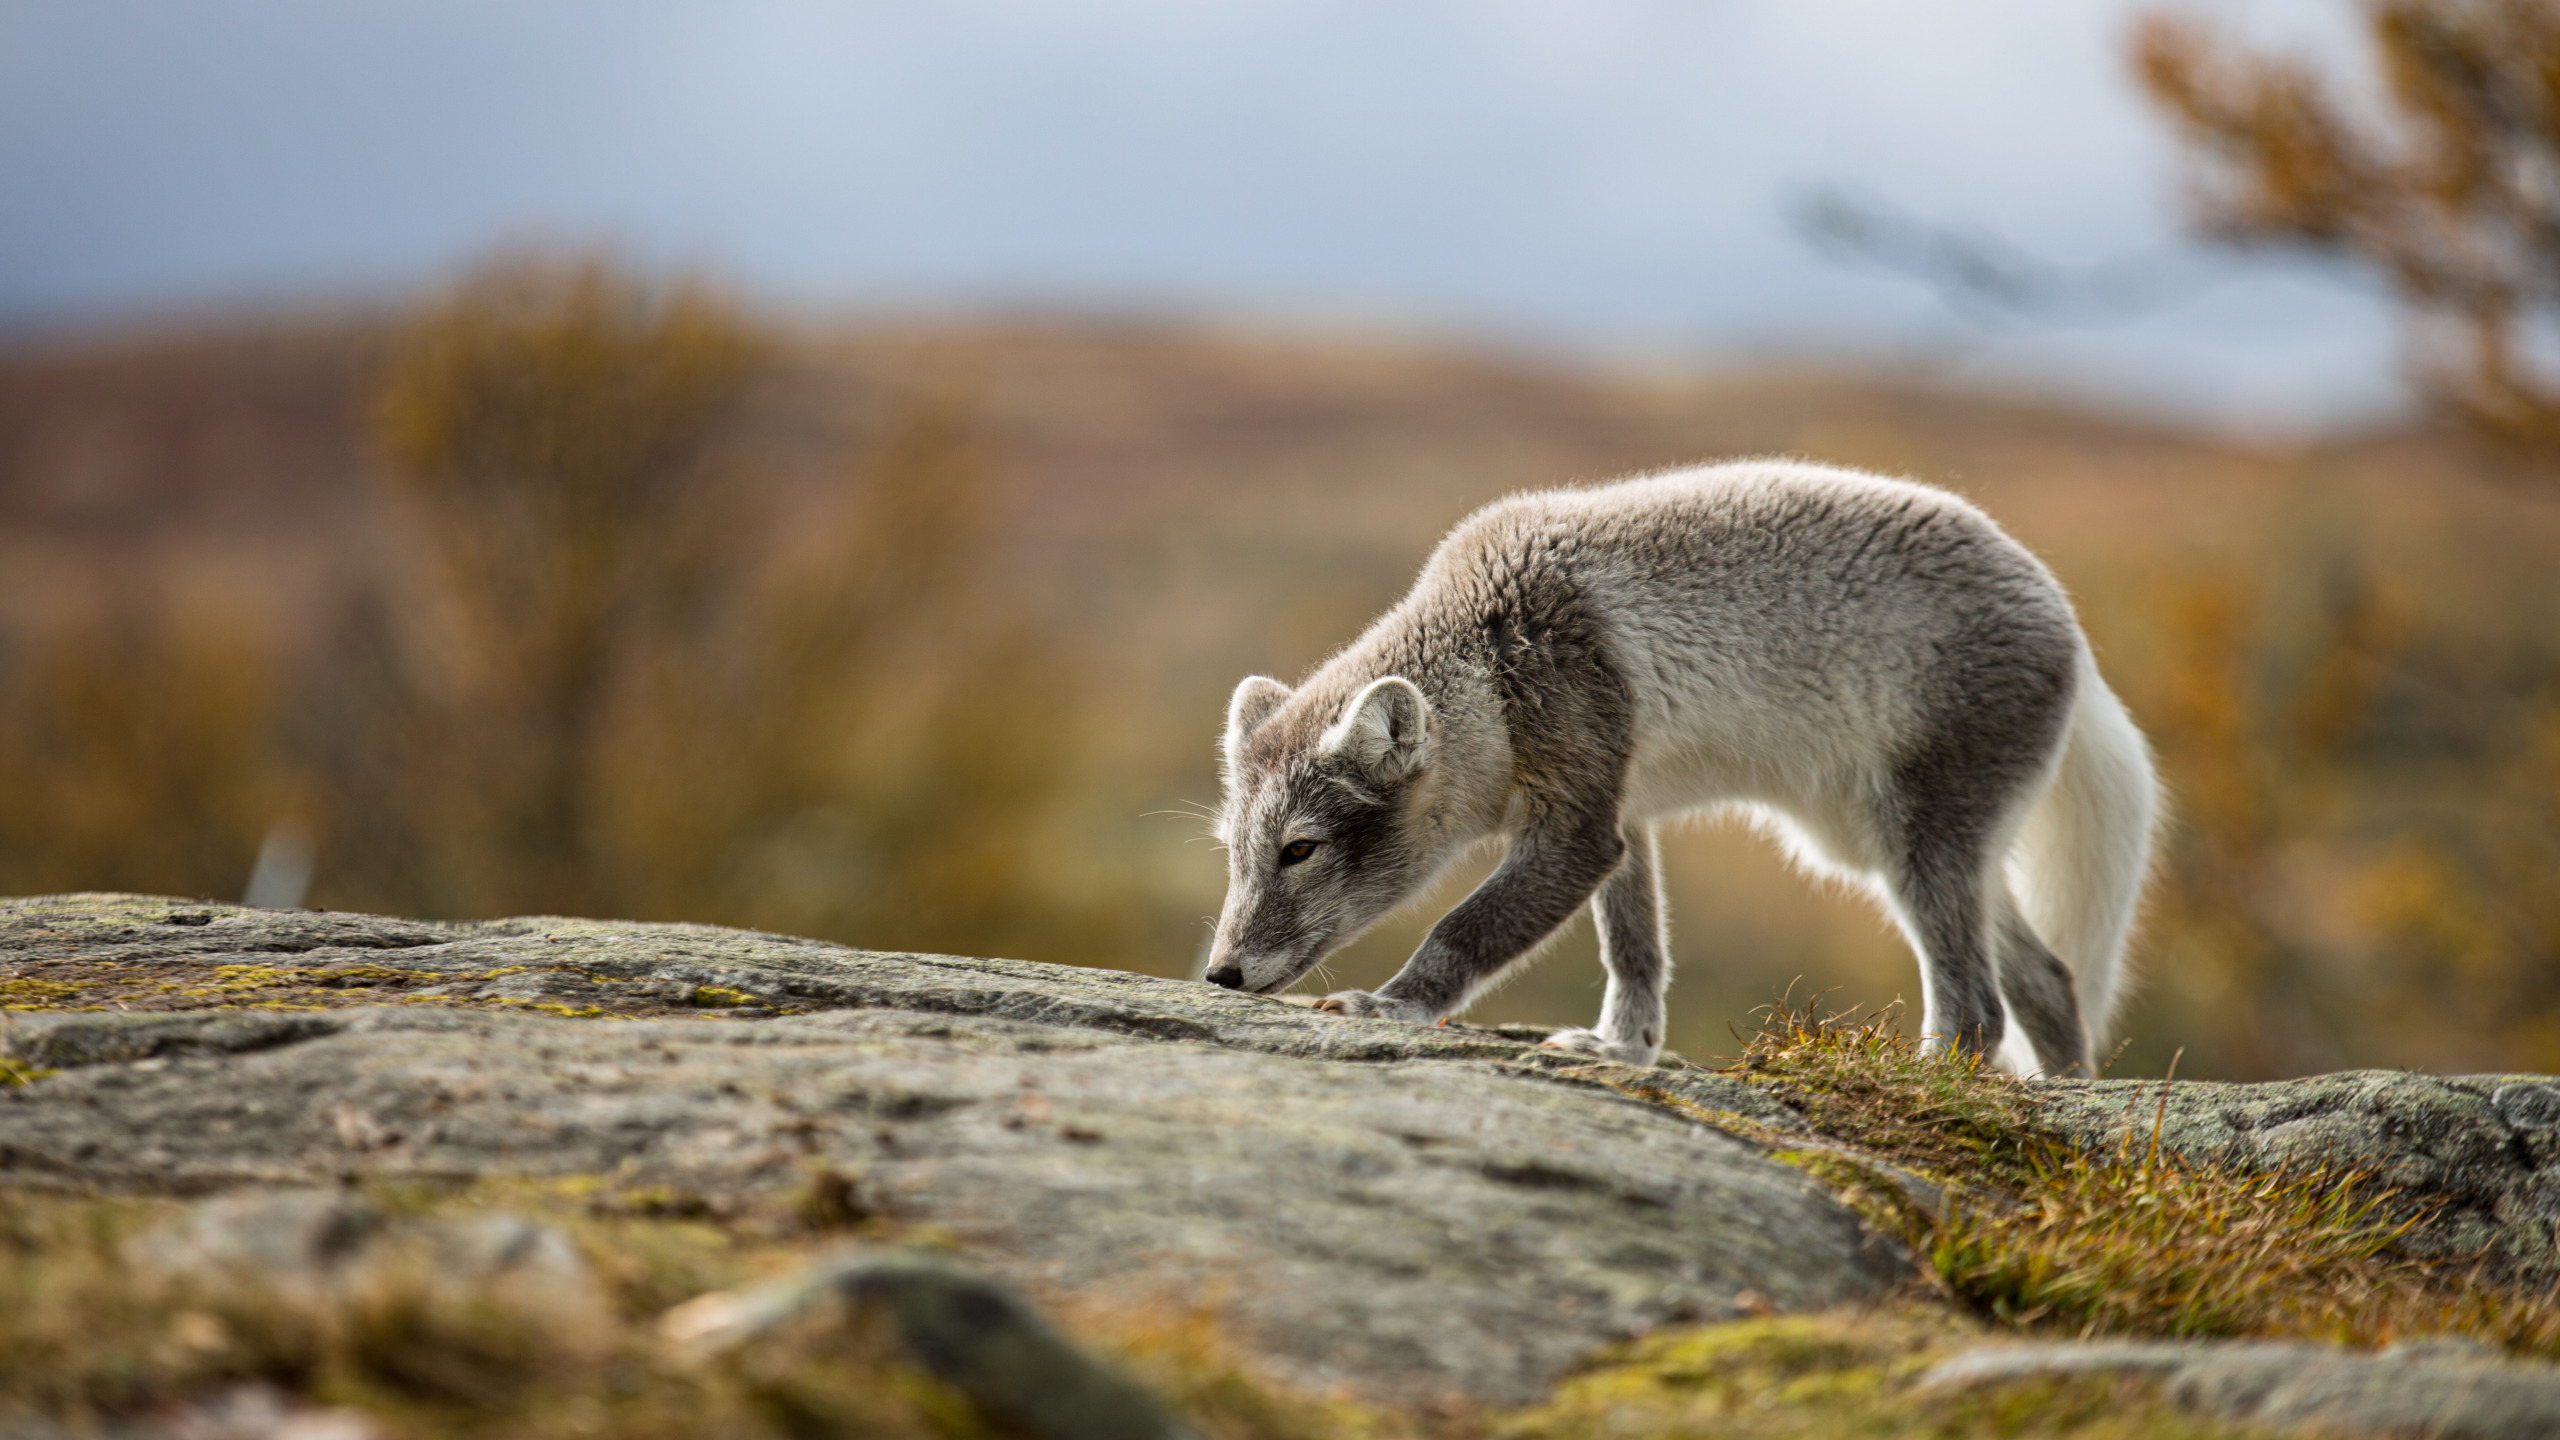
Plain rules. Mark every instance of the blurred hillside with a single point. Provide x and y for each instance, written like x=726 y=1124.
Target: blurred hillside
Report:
x=976 y=725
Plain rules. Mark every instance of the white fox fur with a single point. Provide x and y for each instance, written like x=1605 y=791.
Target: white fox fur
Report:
x=1870 y=665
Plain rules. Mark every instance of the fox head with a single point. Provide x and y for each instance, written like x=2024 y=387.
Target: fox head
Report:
x=1324 y=824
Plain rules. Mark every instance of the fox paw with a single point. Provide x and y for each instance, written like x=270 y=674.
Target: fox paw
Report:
x=1379 y=1007
x=1579 y=1041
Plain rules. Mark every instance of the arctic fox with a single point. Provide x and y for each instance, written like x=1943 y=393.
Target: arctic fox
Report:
x=1889 y=682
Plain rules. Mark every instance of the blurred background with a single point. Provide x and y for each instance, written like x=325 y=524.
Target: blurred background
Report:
x=822 y=467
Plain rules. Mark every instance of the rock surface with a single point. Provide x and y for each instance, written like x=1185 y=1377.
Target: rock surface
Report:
x=2438 y=1390
x=1413 y=1210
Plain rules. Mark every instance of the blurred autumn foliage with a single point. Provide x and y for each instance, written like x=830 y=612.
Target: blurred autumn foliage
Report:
x=2412 y=756
x=556 y=428
x=134 y=740
x=603 y=667
x=2451 y=193
x=2368 y=822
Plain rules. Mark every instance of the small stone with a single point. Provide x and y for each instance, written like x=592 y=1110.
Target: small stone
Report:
x=967 y=1331
x=979 y=1338
x=490 y=1247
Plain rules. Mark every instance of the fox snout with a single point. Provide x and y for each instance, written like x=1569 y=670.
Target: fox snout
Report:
x=1253 y=971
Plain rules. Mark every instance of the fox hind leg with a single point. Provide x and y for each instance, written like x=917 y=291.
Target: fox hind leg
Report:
x=2041 y=998
x=1635 y=949
x=1939 y=900
x=1946 y=824
x=1967 y=980
x=1954 y=804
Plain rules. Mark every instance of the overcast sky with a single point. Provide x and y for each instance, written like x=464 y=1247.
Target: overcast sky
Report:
x=1608 y=174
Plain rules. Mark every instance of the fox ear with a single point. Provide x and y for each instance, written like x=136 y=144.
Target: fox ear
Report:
x=1385 y=731
x=1254 y=701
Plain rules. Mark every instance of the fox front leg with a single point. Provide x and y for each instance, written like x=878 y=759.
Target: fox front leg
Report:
x=1537 y=887
x=1635 y=948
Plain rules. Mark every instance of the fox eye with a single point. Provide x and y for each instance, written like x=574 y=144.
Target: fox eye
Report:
x=1295 y=851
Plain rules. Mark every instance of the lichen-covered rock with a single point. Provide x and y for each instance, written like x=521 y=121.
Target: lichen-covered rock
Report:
x=1414 y=1210
x=277 y=974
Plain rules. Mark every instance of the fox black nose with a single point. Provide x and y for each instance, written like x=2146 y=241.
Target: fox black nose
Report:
x=1230 y=976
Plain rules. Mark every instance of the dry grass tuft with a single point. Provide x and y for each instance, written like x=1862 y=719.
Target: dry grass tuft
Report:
x=2036 y=1232
x=2147 y=1244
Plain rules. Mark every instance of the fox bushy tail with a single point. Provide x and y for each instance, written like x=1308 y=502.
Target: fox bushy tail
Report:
x=2084 y=851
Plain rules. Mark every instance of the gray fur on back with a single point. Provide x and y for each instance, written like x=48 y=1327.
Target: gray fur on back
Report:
x=1871 y=666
